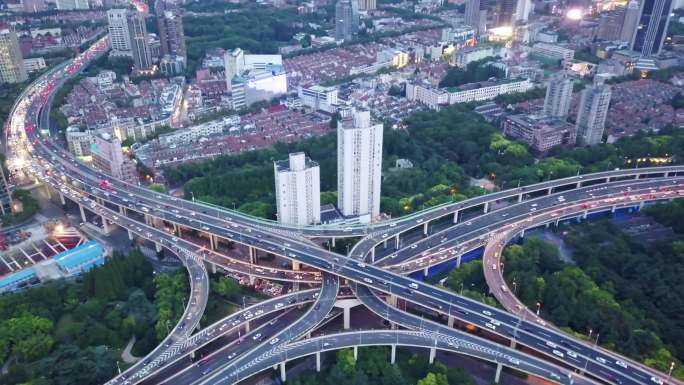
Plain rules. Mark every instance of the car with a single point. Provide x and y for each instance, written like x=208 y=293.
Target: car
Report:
x=621 y=364
x=572 y=354
x=490 y=326
x=503 y=288
x=367 y=280
x=487 y=312
x=279 y=305
x=558 y=353
x=231 y=356
x=493 y=266
x=274 y=341
x=495 y=322
x=413 y=285
x=601 y=360
x=551 y=345
x=514 y=361
x=256 y=336
x=325 y=344
x=554 y=376
x=657 y=380
x=361 y=264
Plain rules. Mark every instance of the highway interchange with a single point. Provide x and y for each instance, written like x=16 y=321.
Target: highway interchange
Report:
x=140 y=211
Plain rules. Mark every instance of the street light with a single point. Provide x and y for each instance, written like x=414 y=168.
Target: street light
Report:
x=669 y=373
x=538 y=307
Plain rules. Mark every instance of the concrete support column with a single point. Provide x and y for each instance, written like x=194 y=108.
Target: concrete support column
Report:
x=295 y=286
x=213 y=268
x=333 y=241
x=458 y=261
x=584 y=214
x=346 y=314
x=130 y=235
x=497 y=376
x=251 y=279
x=520 y=196
x=100 y=201
x=283 y=375
x=396 y=242
x=356 y=353
x=47 y=191
x=105 y=225
x=373 y=255
x=549 y=191
x=450 y=321
x=61 y=199
x=425 y=228
x=425 y=271
x=252 y=255
x=122 y=210
x=179 y=232
x=513 y=344
x=392 y=300
x=83 y=217
x=486 y=207
x=384 y=244
x=318 y=362
x=557 y=221
x=158 y=247
x=393 y=355
x=212 y=241
x=579 y=184
x=247 y=327
x=433 y=354
x=296 y=265
x=522 y=233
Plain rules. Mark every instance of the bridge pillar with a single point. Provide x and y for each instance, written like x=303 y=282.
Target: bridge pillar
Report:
x=296 y=265
x=641 y=205
x=356 y=353
x=122 y=210
x=392 y=300
x=100 y=201
x=384 y=244
x=450 y=321
x=61 y=199
x=346 y=313
x=158 y=247
x=247 y=327
x=549 y=191
x=547 y=225
x=373 y=255
x=130 y=235
x=425 y=228
x=396 y=242
x=213 y=268
x=251 y=280
x=179 y=232
x=497 y=376
x=579 y=184
x=458 y=261
x=252 y=255
x=83 y=217
x=393 y=354
x=105 y=225
x=212 y=242
x=584 y=214
x=520 y=196
x=425 y=271
x=513 y=344
x=433 y=354
x=283 y=375
x=456 y=216
x=333 y=241
x=522 y=233
x=318 y=362
x=486 y=207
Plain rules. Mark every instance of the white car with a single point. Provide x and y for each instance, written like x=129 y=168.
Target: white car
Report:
x=487 y=312
x=657 y=380
x=551 y=345
x=514 y=361
x=601 y=360
x=490 y=326
x=572 y=354
x=256 y=336
x=367 y=280
x=274 y=341
x=558 y=353
x=621 y=364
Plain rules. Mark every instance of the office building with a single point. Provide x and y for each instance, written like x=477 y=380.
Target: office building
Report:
x=140 y=45
x=109 y=158
x=11 y=61
x=359 y=165
x=558 y=96
x=344 y=20
x=171 y=36
x=654 y=17
x=5 y=194
x=523 y=10
x=472 y=15
x=70 y=5
x=119 y=36
x=542 y=133
x=553 y=51
x=33 y=6
x=298 y=190
x=610 y=24
x=592 y=112
x=78 y=142
x=505 y=12
x=367 y=5
x=630 y=21
x=236 y=63
x=319 y=97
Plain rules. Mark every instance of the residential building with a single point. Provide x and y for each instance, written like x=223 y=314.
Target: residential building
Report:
x=654 y=17
x=140 y=47
x=5 y=194
x=367 y=5
x=319 y=97
x=171 y=65
x=119 y=36
x=70 y=5
x=558 y=96
x=78 y=141
x=359 y=165
x=540 y=132
x=237 y=63
x=109 y=158
x=192 y=134
x=34 y=6
x=11 y=61
x=298 y=190
x=505 y=10
x=462 y=57
x=523 y=10
x=610 y=24
x=630 y=21
x=34 y=64
x=592 y=112
x=472 y=15
x=553 y=51
x=171 y=36
x=344 y=20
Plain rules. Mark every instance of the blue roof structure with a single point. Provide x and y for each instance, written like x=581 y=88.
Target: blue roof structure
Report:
x=80 y=255
x=13 y=279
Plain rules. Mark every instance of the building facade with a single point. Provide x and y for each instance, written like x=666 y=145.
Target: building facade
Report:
x=319 y=97
x=359 y=165
x=119 y=36
x=592 y=112
x=298 y=190
x=541 y=133
x=109 y=158
x=344 y=20
x=140 y=45
x=11 y=61
x=171 y=35
x=654 y=17
x=558 y=96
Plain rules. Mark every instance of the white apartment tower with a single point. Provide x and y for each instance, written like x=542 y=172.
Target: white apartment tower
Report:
x=592 y=112
x=298 y=190
x=359 y=165
x=558 y=96
x=11 y=61
x=119 y=35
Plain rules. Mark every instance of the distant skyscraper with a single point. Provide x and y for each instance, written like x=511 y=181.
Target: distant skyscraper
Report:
x=523 y=10
x=140 y=45
x=68 y=5
x=367 y=5
x=171 y=36
x=472 y=14
x=610 y=24
x=359 y=165
x=298 y=190
x=344 y=20
x=505 y=10
x=592 y=112
x=34 y=5
x=630 y=21
x=11 y=61
x=119 y=36
x=652 y=27
x=558 y=96
x=5 y=194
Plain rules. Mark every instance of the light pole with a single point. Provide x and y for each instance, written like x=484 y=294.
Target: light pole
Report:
x=669 y=373
x=192 y=194
x=538 y=307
